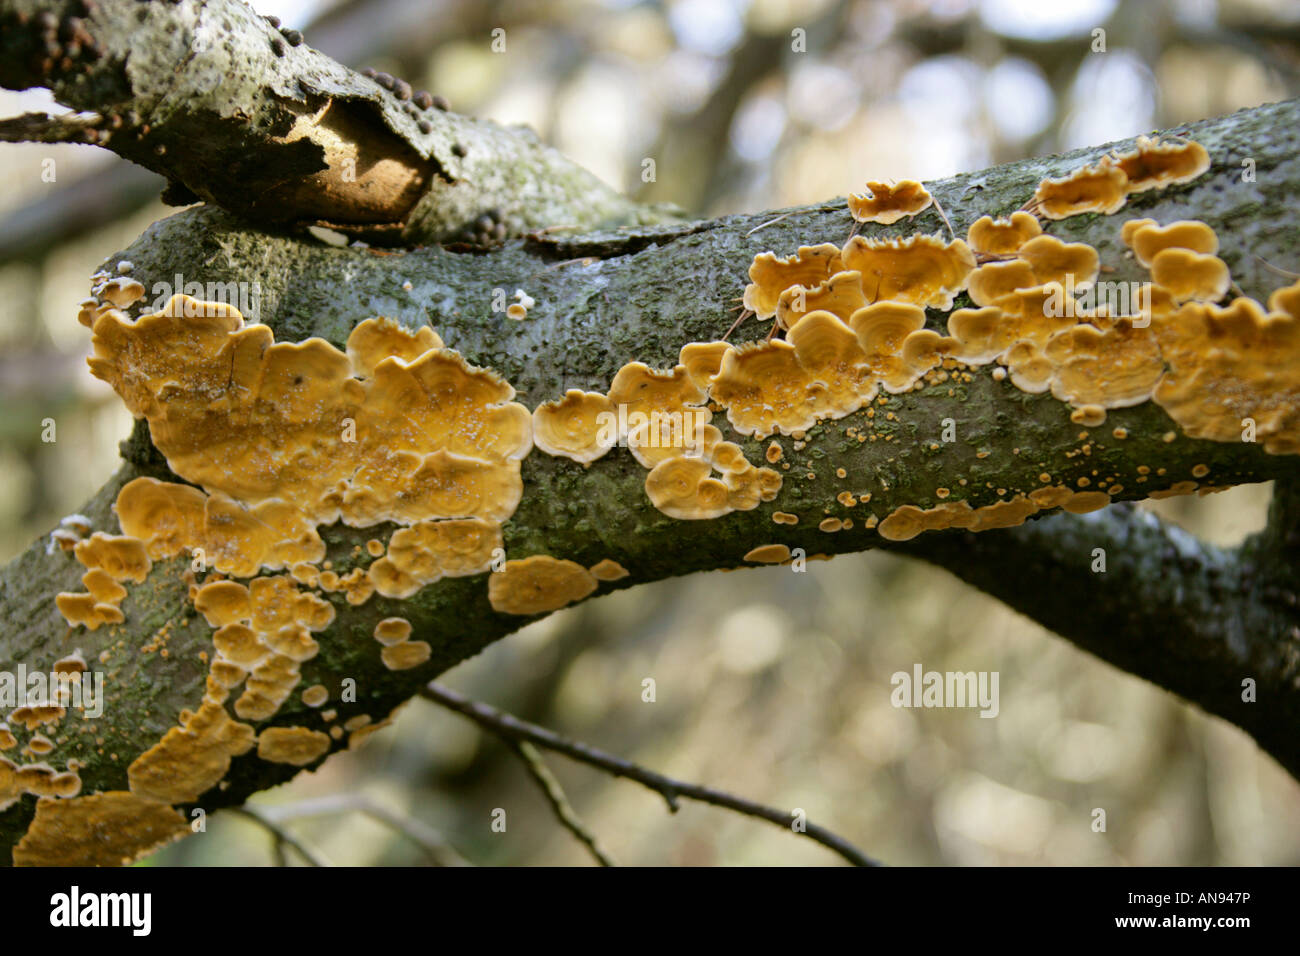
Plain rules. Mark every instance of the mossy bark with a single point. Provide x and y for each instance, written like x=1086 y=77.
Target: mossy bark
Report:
x=639 y=293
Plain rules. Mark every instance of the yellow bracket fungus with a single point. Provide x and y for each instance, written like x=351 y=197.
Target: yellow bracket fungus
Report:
x=769 y=276
x=114 y=828
x=1147 y=239
x=922 y=270
x=1155 y=165
x=572 y=426
x=1000 y=237
x=885 y=204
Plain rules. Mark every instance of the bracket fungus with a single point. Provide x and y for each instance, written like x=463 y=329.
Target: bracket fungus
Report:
x=573 y=427
x=769 y=276
x=260 y=421
x=607 y=569
x=886 y=204
x=768 y=554
x=113 y=828
x=1052 y=260
x=1155 y=165
x=1000 y=237
x=1226 y=364
x=1147 y=238
x=922 y=270
x=840 y=295
x=1191 y=275
x=1101 y=187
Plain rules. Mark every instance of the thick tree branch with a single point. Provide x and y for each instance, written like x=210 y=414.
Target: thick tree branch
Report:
x=607 y=298
x=218 y=100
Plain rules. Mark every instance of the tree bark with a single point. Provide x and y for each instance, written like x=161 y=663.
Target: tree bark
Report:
x=1190 y=618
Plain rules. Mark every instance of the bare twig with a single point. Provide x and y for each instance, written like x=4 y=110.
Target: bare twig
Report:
x=439 y=851
x=43 y=128
x=507 y=725
x=764 y=225
x=555 y=796
x=282 y=836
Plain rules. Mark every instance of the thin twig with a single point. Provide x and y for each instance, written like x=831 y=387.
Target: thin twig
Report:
x=439 y=851
x=555 y=796
x=764 y=225
x=282 y=836
x=1280 y=271
x=944 y=216
x=501 y=723
x=43 y=128
x=745 y=313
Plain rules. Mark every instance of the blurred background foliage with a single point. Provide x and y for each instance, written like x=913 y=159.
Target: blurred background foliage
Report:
x=769 y=684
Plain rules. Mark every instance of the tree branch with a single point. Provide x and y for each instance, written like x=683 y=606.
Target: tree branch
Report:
x=604 y=299
x=556 y=799
x=218 y=100
x=671 y=790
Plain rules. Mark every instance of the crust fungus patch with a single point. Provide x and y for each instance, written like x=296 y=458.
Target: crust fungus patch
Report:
x=171 y=518
x=298 y=746
x=539 y=584
x=406 y=655
x=1229 y=364
x=885 y=204
x=431 y=550
x=192 y=758
x=36 y=779
x=907 y=521
x=1112 y=368
x=114 y=828
x=257 y=420
x=607 y=569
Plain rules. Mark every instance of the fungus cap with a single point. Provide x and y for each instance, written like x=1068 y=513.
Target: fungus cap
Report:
x=1101 y=187
x=1155 y=165
x=1000 y=237
x=1190 y=275
x=885 y=204
x=769 y=276
x=1147 y=239
x=579 y=426
x=922 y=270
